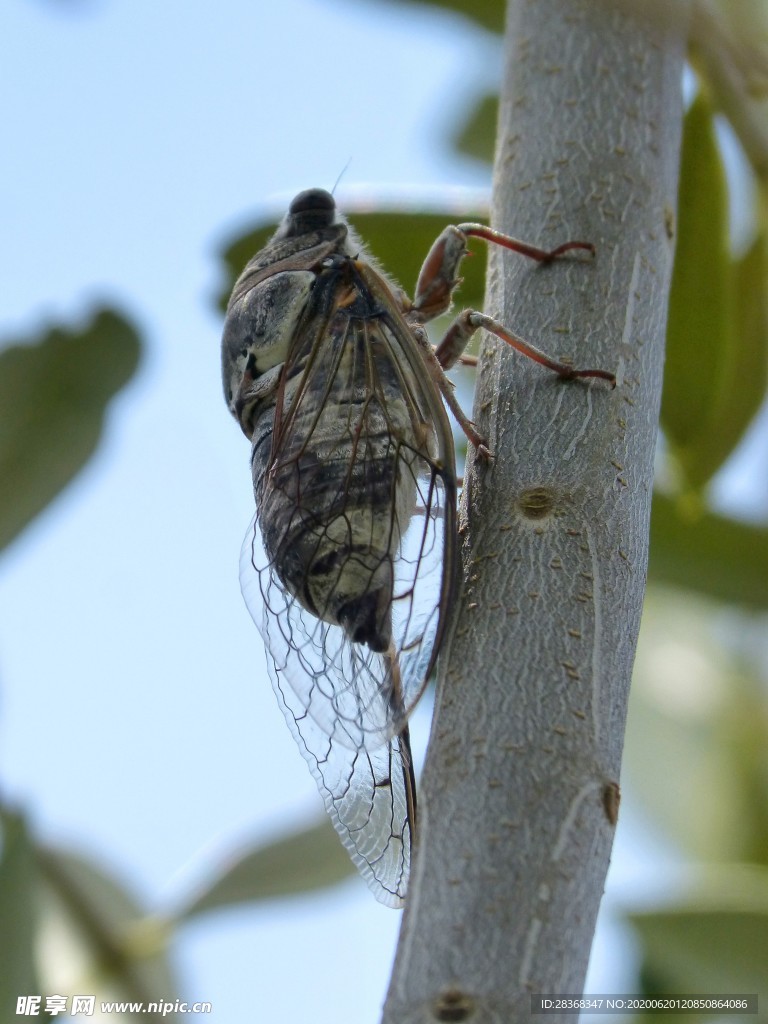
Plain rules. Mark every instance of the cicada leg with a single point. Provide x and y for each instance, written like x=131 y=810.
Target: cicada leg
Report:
x=436 y=371
x=439 y=278
x=531 y=251
x=456 y=338
x=434 y=290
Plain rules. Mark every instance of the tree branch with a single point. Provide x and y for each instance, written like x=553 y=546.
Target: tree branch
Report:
x=520 y=790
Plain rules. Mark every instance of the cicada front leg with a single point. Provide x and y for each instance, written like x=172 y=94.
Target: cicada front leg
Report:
x=434 y=290
x=439 y=274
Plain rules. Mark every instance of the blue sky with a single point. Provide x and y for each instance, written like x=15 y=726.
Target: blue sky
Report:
x=137 y=720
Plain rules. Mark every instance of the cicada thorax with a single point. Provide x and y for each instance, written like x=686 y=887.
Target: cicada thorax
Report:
x=336 y=489
x=267 y=304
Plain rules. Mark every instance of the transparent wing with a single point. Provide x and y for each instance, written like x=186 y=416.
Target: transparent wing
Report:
x=359 y=696
x=367 y=786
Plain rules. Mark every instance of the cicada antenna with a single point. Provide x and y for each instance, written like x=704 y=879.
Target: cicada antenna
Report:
x=344 y=170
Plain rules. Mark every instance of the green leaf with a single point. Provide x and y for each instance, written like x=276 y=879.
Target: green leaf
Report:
x=743 y=376
x=18 y=976
x=714 y=940
x=91 y=912
x=477 y=136
x=699 y=328
x=742 y=399
x=312 y=858
x=717 y=333
x=710 y=554
x=53 y=396
x=399 y=240
x=489 y=14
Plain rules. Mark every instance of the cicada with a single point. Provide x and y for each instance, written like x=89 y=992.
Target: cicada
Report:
x=349 y=566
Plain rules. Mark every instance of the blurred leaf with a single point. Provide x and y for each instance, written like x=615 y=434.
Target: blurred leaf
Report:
x=749 y=371
x=310 y=859
x=727 y=46
x=743 y=380
x=699 y=328
x=746 y=742
x=697 y=733
x=477 y=136
x=89 y=911
x=399 y=240
x=53 y=396
x=711 y=554
x=236 y=255
x=18 y=976
x=489 y=14
x=718 y=318
x=748 y=21
x=713 y=941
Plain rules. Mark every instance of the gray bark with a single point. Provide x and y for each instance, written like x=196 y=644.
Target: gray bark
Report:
x=519 y=795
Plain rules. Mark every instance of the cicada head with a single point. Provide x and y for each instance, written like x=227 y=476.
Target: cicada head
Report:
x=311 y=210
